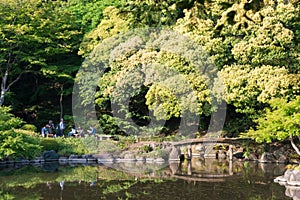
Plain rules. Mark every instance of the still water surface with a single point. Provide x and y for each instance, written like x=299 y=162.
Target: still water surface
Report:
x=200 y=179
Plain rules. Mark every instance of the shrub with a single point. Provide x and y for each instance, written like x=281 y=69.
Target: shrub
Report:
x=29 y=127
x=91 y=144
x=147 y=148
x=7 y=120
x=16 y=144
x=108 y=146
x=67 y=146
x=50 y=144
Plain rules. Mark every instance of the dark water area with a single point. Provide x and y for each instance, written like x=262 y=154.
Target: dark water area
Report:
x=198 y=179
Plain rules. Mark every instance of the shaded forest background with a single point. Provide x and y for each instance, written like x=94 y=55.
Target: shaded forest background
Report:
x=254 y=44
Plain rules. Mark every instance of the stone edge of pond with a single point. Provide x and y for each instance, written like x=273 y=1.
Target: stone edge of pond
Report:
x=52 y=156
x=290 y=177
x=82 y=159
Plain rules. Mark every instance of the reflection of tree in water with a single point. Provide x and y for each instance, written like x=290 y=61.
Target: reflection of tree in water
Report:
x=34 y=183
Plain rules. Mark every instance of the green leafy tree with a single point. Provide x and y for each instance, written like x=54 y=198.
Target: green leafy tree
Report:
x=240 y=32
x=121 y=16
x=113 y=22
x=89 y=13
x=254 y=45
x=281 y=122
x=161 y=80
x=33 y=33
x=250 y=89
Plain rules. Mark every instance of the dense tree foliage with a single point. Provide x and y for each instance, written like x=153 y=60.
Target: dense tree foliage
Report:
x=89 y=13
x=167 y=81
x=254 y=45
x=38 y=46
x=281 y=122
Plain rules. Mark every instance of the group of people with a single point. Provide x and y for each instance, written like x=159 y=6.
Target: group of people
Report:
x=49 y=130
x=79 y=132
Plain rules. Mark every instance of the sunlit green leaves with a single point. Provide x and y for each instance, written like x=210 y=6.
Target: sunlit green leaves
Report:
x=15 y=142
x=281 y=122
x=113 y=22
x=248 y=87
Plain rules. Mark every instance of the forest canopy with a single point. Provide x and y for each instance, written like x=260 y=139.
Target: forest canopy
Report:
x=253 y=46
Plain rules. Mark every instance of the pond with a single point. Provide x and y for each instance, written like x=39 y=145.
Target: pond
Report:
x=196 y=179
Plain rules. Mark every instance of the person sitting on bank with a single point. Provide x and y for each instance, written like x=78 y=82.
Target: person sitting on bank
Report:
x=91 y=131
x=80 y=132
x=44 y=131
x=51 y=127
x=72 y=132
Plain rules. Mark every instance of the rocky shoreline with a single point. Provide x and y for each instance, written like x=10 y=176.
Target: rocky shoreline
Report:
x=165 y=155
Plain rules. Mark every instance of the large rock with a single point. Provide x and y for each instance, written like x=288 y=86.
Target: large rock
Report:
x=73 y=156
x=50 y=155
x=294 y=178
x=285 y=177
x=287 y=174
x=63 y=160
x=290 y=177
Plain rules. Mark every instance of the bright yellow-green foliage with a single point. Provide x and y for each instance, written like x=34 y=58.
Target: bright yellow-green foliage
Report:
x=241 y=32
x=281 y=122
x=15 y=142
x=247 y=87
x=168 y=82
x=163 y=102
x=112 y=23
x=254 y=45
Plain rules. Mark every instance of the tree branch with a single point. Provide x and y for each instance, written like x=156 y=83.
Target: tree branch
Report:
x=294 y=146
x=14 y=81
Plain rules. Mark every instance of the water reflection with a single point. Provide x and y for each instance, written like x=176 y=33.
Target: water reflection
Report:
x=293 y=192
x=195 y=179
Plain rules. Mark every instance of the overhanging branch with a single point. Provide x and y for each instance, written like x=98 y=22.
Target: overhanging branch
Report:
x=294 y=146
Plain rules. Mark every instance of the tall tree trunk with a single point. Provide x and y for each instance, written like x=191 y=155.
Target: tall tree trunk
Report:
x=3 y=87
x=61 y=100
